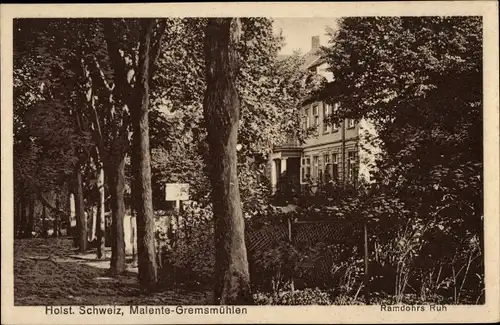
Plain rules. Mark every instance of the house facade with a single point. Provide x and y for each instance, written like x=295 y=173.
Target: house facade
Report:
x=337 y=152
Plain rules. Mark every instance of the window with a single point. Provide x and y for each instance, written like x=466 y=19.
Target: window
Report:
x=320 y=170
x=327 y=110
x=335 y=126
x=308 y=121
x=306 y=169
x=350 y=123
x=316 y=115
x=335 y=166
x=328 y=167
x=351 y=166
x=315 y=167
x=326 y=158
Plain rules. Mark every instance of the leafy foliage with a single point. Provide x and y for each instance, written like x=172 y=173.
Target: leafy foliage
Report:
x=419 y=80
x=409 y=76
x=190 y=258
x=270 y=91
x=47 y=140
x=300 y=297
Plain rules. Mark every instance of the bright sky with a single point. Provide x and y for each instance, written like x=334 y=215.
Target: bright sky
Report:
x=298 y=32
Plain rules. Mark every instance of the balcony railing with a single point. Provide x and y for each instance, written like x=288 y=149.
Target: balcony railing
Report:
x=290 y=143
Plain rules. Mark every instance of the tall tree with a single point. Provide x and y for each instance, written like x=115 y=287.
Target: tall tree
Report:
x=270 y=91
x=48 y=143
x=143 y=197
x=409 y=76
x=132 y=49
x=106 y=116
x=81 y=220
x=221 y=112
x=76 y=70
x=419 y=80
x=101 y=219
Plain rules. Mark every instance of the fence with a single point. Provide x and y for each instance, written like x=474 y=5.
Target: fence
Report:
x=341 y=235
x=341 y=239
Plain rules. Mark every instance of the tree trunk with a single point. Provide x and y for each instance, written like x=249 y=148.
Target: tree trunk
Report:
x=70 y=214
x=31 y=217
x=22 y=216
x=366 y=279
x=44 y=228
x=117 y=191
x=56 y=219
x=17 y=217
x=101 y=226
x=93 y=234
x=81 y=221
x=20 y=213
x=221 y=112
x=143 y=198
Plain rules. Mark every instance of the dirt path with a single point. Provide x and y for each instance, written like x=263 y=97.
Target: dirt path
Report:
x=49 y=272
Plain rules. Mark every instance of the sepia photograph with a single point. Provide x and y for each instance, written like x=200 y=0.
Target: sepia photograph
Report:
x=165 y=162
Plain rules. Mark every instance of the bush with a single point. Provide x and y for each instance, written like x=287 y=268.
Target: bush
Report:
x=273 y=267
x=298 y=297
x=193 y=261
x=190 y=258
x=342 y=300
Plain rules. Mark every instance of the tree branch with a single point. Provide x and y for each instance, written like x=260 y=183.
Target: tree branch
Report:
x=117 y=61
x=94 y=116
x=47 y=204
x=157 y=47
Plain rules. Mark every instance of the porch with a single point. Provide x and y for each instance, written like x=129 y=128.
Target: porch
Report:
x=285 y=166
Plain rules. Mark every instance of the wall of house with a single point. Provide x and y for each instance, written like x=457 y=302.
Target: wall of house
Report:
x=347 y=145
x=328 y=134
x=322 y=70
x=334 y=152
x=328 y=142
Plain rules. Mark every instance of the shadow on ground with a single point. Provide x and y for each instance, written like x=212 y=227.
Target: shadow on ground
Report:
x=49 y=272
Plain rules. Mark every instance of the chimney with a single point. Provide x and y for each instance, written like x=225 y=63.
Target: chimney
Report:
x=315 y=43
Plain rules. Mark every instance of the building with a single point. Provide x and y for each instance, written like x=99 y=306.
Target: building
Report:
x=338 y=152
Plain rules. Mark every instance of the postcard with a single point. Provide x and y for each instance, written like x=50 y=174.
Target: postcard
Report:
x=181 y=163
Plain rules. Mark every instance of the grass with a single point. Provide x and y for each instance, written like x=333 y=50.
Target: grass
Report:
x=46 y=274
x=50 y=272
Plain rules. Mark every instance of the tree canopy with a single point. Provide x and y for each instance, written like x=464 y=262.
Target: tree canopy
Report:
x=418 y=79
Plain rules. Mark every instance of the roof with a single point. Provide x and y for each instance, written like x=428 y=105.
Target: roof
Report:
x=319 y=95
x=312 y=58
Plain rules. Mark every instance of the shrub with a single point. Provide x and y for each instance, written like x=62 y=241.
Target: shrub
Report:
x=342 y=300
x=274 y=266
x=298 y=297
x=190 y=258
